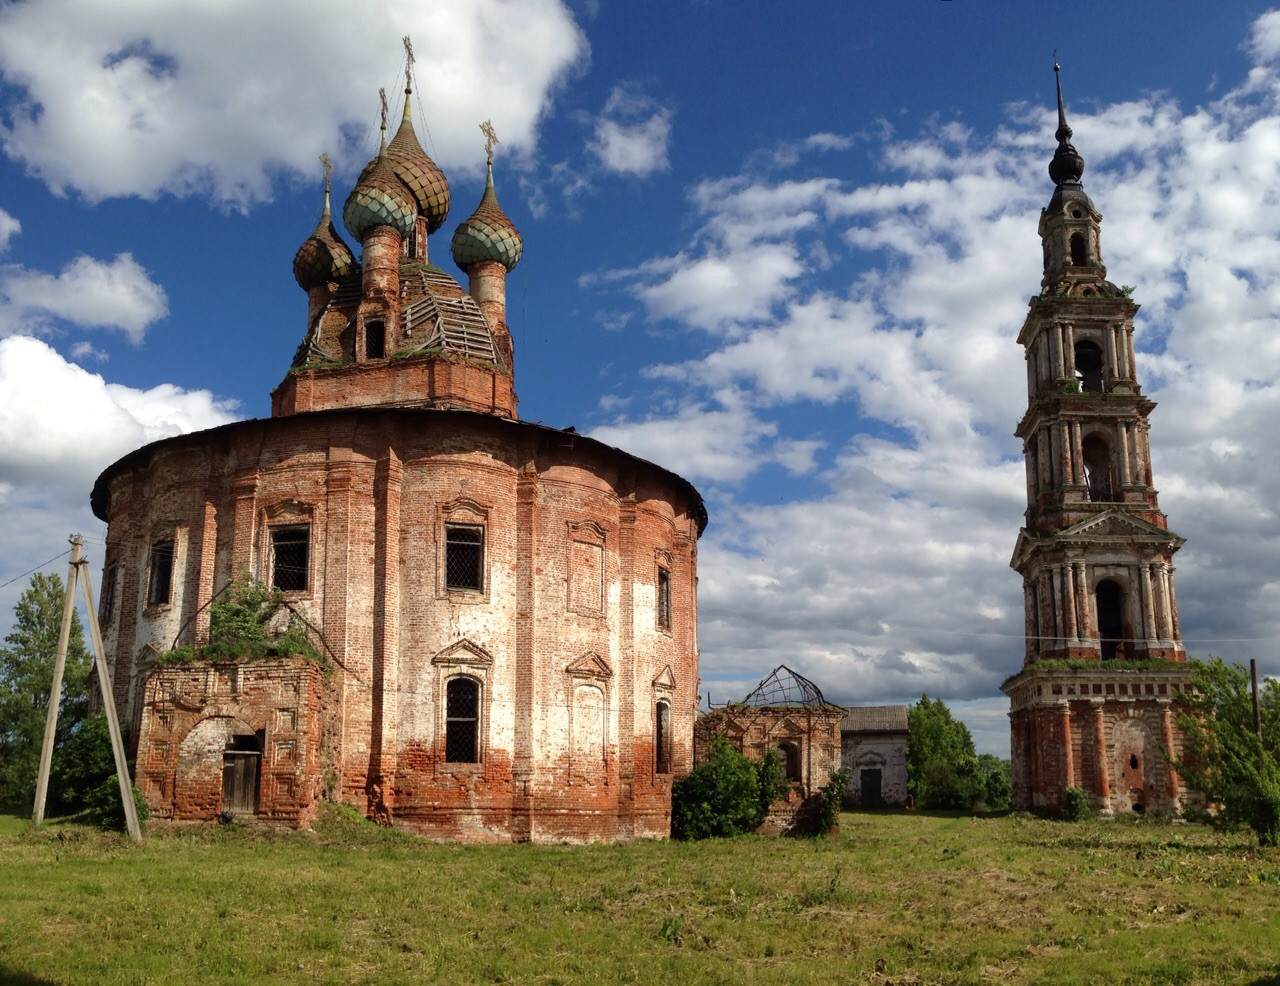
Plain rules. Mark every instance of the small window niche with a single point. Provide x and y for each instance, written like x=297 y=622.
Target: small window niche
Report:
x=160 y=573
x=375 y=339
x=664 y=598
x=291 y=557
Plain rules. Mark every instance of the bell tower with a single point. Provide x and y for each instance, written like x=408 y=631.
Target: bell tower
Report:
x=1104 y=662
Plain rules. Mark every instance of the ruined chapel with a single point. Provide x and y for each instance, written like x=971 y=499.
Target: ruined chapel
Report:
x=1094 y=706
x=505 y=612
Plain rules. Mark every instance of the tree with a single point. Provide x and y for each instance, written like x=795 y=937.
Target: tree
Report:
x=26 y=674
x=1223 y=757
x=997 y=776
x=942 y=766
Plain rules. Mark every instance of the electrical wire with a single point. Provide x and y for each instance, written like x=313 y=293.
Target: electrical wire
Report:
x=34 y=570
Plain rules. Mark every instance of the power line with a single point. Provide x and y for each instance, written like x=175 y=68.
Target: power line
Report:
x=34 y=570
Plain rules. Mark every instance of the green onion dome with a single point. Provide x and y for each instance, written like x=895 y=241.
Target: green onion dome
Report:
x=323 y=257
x=380 y=198
x=420 y=174
x=488 y=234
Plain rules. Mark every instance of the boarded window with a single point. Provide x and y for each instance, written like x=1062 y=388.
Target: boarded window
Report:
x=664 y=599
x=662 y=738
x=586 y=580
x=160 y=573
x=464 y=557
x=290 y=557
x=462 y=721
x=107 y=601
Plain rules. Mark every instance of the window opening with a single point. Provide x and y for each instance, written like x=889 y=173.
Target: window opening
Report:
x=664 y=599
x=290 y=557
x=375 y=339
x=1079 y=252
x=107 y=602
x=462 y=721
x=662 y=739
x=789 y=753
x=1097 y=469
x=1089 y=367
x=464 y=557
x=160 y=577
x=1110 y=602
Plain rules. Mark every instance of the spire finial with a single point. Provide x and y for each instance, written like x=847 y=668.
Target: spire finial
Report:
x=1067 y=164
x=490 y=139
x=408 y=67
x=327 y=163
x=382 y=97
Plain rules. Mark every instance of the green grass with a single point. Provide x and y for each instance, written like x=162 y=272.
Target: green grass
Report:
x=901 y=898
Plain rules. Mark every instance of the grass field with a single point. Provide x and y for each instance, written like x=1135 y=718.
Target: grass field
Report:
x=895 y=898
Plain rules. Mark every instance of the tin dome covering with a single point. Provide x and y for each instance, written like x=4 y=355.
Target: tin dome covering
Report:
x=323 y=257
x=487 y=234
x=420 y=174
x=380 y=198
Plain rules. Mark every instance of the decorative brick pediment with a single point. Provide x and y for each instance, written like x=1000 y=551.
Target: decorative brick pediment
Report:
x=1116 y=524
x=463 y=652
x=590 y=665
x=665 y=681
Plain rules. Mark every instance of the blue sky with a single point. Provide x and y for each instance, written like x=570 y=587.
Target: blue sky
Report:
x=784 y=250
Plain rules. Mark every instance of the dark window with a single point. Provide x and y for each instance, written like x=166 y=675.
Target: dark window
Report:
x=375 y=339
x=462 y=721
x=160 y=574
x=1089 y=367
x=664 y=599
x=290 y=557
x=107 y=602
x=1110 y=601
x=1097 y=469
x=464 y=557
x=1079 y=252
x=662 y=739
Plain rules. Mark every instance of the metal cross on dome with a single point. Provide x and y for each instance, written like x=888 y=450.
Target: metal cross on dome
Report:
x=490 y=138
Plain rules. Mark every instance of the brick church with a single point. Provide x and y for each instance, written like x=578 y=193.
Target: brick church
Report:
x=506 y=612
x=1094 y=706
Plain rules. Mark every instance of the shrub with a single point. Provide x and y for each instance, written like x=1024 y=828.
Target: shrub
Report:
x=81 y=764
x=770 y=781
x=717 y=798
x=107 y=810
x=831 y=796
x=1075 y=805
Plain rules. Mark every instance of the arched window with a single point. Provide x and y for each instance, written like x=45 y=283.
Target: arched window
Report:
x=1097 y=469
x=1110 y=602
x=1089 y=367
x=789 y=754
x=375 y=339
x=462 y=721
x=1079 y=251
x=662 y=738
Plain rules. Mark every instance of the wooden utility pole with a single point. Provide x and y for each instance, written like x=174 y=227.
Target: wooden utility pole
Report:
x=74 y=575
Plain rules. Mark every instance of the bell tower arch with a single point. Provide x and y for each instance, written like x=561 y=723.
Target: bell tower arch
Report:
x=1095 y=552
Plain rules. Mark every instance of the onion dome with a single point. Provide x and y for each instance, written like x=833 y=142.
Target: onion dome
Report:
x=1067 y=164
x=379 y=199
x=420 y=174
x=488 y=234
x=323 y=257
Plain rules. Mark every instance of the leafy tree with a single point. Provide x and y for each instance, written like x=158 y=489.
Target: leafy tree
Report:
x=26 y=674
x=1222 y=756
x=997 y=777
x=942 y=766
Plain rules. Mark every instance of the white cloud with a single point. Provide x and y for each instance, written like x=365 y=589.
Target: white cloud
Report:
x=148 y=97
x=9 y=228
x=631 y=134
x=90 y=293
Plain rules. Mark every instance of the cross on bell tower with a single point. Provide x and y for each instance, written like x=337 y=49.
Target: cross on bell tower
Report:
x=1095 y=554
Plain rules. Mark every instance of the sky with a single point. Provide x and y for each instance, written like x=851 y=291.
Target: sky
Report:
x=783 y=250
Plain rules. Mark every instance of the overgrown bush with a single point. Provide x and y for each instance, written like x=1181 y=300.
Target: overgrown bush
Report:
x=719 y=797
x=81 y=764
x=107 y=810
x=772 y=785
x=831 y=797
x=1075 y=805
x=238 y=627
